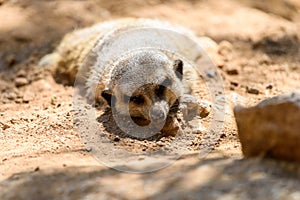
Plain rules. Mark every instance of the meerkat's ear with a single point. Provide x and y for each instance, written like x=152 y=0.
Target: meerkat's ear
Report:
x=178 y=68
x=107 y=95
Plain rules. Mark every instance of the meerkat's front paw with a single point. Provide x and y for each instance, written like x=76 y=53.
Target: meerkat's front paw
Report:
x=172 y=126
x=190 y=107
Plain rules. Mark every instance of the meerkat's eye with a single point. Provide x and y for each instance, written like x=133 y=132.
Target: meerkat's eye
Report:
x=138 y=99
x=161 y=89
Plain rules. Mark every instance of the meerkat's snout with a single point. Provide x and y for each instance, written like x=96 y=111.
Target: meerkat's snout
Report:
x=158 y=112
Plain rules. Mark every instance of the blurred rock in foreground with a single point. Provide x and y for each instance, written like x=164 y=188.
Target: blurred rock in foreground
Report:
x=272 y=128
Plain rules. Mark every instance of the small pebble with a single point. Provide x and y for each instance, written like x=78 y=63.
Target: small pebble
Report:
x=235 y=84
x=21 y=73
x=21 y=82
x=28 y=96
x=232 y=71
x=116 y=139
x=88 y=149
x=225 y=47
x=5 y=126
x=251 y=90
x=160 y=143
x=37 y=169
x=11 y=96
x=269 y=86
x=19 y=100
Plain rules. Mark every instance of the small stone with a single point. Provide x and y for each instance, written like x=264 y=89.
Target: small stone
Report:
x=269 y=86
x=28 y=96
x=37 y=169
x=21 y=73
x=5 y=126
x=19 y=100
x=53 y=101
x=251 y=90
x=160 y=143
x=116 y=139
x=220 y=63
x=225 y=47
x=21 y=81
x=235 y=84
x=232 y=71
x=11 y=96
x=88 y=149
x=265 y=59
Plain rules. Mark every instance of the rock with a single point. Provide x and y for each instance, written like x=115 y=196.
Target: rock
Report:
x=28 y=96
x=252 y=90
x=19 y=100
x=232 y=71
x=270 y=86
x=88 y=149
x=233 y=83
x=117 y=139
x=11 y=96
x=21 y=81
x=21 y=73
x=271 y=129
x=5 y=126
x=225 y=47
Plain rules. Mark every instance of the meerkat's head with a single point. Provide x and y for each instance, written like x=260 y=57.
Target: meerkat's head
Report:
x=145 y=85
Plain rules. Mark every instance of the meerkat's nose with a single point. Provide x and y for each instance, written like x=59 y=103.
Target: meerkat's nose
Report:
x=158 y=113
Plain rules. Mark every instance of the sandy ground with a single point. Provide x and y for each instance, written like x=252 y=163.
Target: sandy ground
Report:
x=42 y=155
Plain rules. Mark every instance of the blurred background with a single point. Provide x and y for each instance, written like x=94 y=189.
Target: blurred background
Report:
x=32 y=26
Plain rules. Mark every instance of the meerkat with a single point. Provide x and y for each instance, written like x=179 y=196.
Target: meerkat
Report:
x=146 y=83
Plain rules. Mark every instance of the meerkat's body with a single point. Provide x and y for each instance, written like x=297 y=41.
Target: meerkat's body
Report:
x=79 y=59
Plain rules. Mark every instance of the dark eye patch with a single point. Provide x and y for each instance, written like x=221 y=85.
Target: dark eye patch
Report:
x=137 y=99
x=161 y=88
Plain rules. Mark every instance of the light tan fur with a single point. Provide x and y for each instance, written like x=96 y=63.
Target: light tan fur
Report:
x=77 y=59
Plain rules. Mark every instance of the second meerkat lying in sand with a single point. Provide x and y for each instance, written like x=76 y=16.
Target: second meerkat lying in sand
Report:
x=146 y=83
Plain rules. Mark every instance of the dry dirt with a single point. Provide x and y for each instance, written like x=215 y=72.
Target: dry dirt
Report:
x=41 y=153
